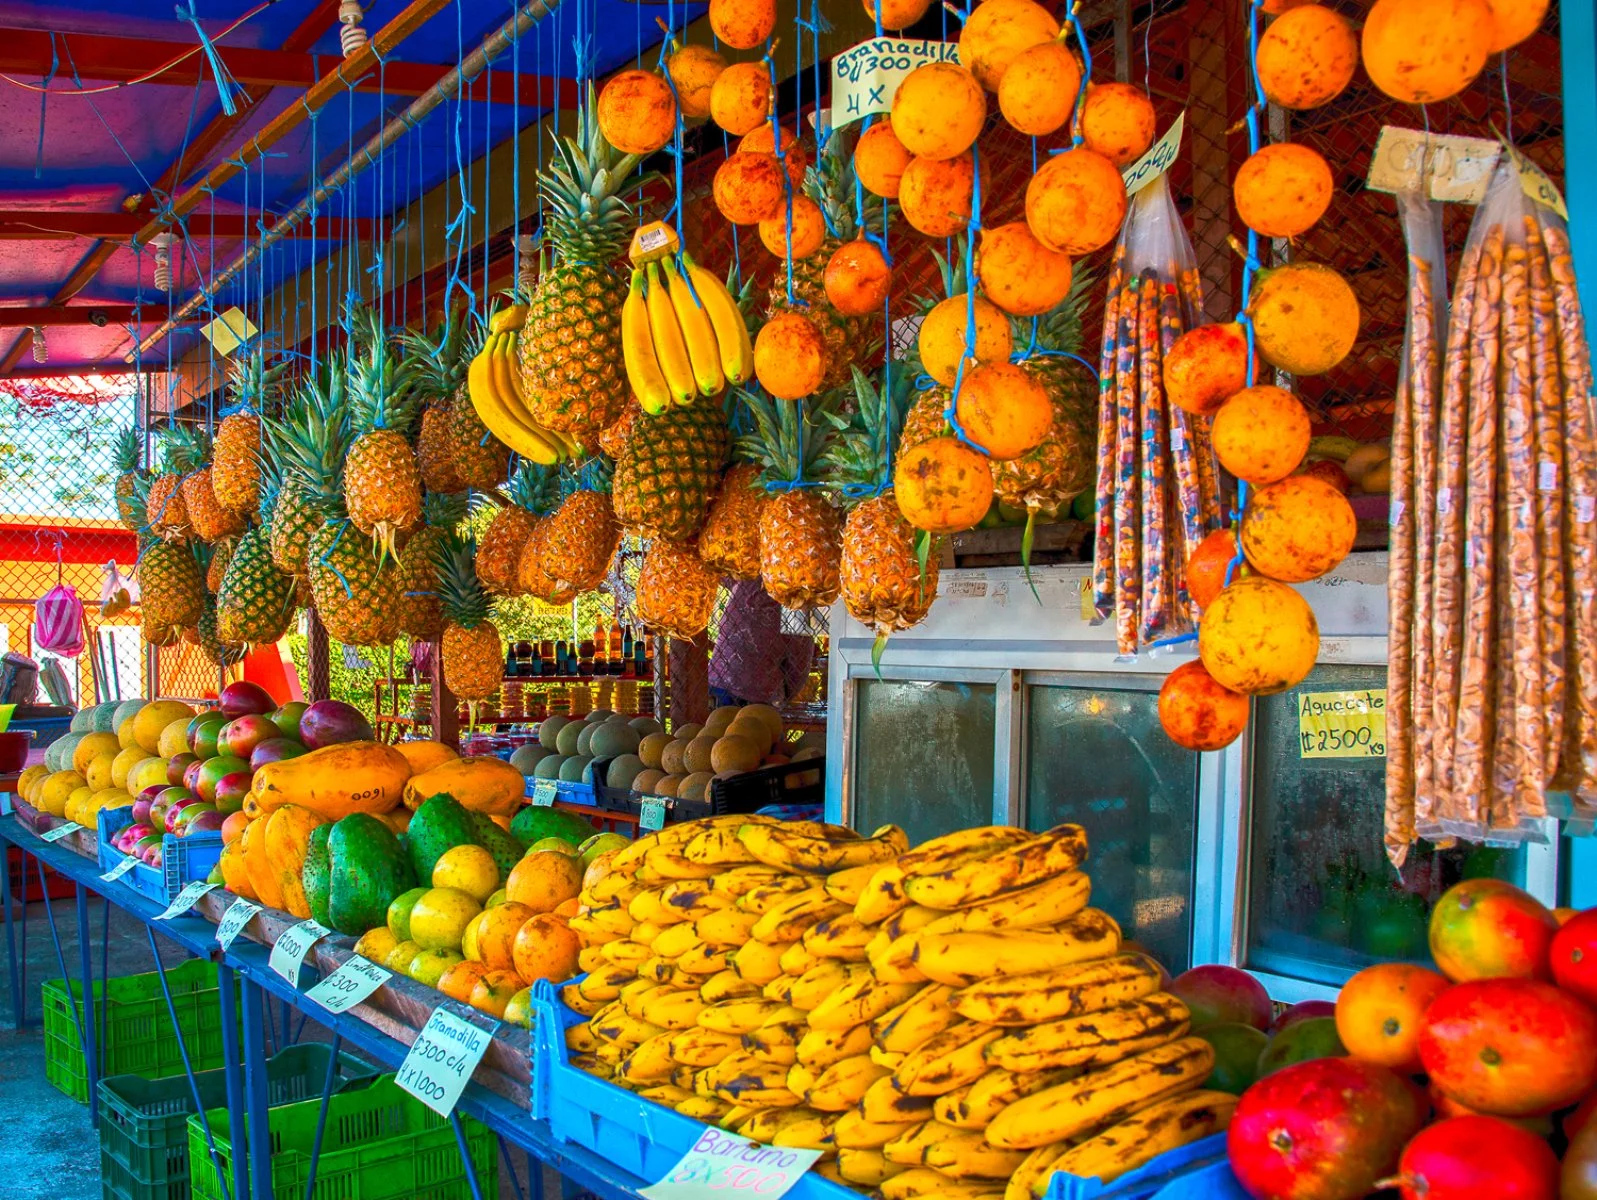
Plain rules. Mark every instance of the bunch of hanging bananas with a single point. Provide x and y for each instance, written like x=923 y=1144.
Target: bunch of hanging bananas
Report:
x=950 y=1021
x=493 y=382
x=682 y=341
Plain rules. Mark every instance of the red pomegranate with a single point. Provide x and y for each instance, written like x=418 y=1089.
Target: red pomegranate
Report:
x=1510 y=1047
x=1326 y=1129
x=1470 y=1158
x=1574 y=956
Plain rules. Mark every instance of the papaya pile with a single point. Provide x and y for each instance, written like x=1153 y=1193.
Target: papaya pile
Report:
x=952 y=1020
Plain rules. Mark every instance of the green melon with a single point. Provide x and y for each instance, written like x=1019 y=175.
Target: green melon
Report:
x=128 y=708
x=571 y=770
x=548 y=767
x=62 y=749
x=611 y=739
x=622 y=770
x=525 y=758
x=532 y=825
x=598 y=715
x=646 y=726
x=104 y=717
x=82 y=721
x=566 y=739
x=549 y=731
x=585 y=739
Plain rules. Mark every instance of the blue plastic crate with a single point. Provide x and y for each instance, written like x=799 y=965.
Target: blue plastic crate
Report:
x=1195 y=1172
x=640 y=1137
x=183 y=859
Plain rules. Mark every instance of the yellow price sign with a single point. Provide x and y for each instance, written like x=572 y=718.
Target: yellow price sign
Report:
x=1342 y=724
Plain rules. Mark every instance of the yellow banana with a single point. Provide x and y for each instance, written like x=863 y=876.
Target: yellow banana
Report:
x=580 y=1039
x=682 y=1075
x=647 y=1062
x=1030 y=1180
x=1097 y=1097
x=505 y=378
x=883 y=894
x=637 y=351
x=697 y=332
x=649 y=905
x=965 y=1154
x=675 y=941
x=693 y=898
x=704 y=1108
x=727 y=985
x=719 y=848
x=625 y=953
x=740 y=1078
x=764 y=1126
x=668 y=1094
x=671 y=1009
x=661 y=970
x=895 y=962
x=578 y=1003
x=861 y=999
x=848 y=885
x=1061 y=849
x=796 y=959
x=644 y=933
x=909 y=1147
x=669 y=348
x=614 y=1026
x=813 y=1132
x=843 y=937
x=777 y=846
x=738 y=881
x=669 y=865
x=842 y=1085
x=929 y=1182
x=767 y=896
x=591 y=958
x=965 y=958
x=976 y=1104
x=1031 y=999
x=887 y=1058
x=1149 y=1133
x=701 y=1047
x=948 y=1061
x=884 y=1104
x=492 y=409
x=740 y=1016
x=774 y=1043
x=789 y=918
x=701 y=961
x=1047 y=903
x=820 y=1048
x=732 y=339
x=868 y=1168
x=962 y=846
x=856 y=1133
x=916 y=1021
x=728 y=929
x=605 y=984
x=759 y=962
x=820 y=981
x=1094 y=1040
x=612 y=918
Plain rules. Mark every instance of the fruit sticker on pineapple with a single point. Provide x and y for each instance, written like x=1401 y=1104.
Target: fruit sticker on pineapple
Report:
x=441 y=1060
x=1342 y=724
x=723 y=1164
x=865 y=78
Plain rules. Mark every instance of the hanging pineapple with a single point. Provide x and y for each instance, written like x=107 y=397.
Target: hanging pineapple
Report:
x=729 y=543
x=531 y=577
x=884 y=584
x=206 y=516
x=441 y=362
x=382 y=484
x=235 y=468
x=208 y=637
x=669 y=469
x=132 y=486
x=571 y=359
x=221 y=555
x=473 y=655
x=800 y=531
x=676 y=590
x=255 y=600
x=530 y=495
x=308 y=444
x=164 y=513
x=172 y=588
x=577 y=542
x=421 y=611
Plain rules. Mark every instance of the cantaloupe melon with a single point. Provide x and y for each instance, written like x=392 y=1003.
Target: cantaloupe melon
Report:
x=549 y=731
x=671 y=758
x=645 y=781
x=571 y=770
x=697 y=756
x=566 y=739
x=646 y=726
x=695 y=787
x=652 y=747
x=612 y=738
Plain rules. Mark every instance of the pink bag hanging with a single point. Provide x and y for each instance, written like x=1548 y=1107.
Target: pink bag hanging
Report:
x=58 y=621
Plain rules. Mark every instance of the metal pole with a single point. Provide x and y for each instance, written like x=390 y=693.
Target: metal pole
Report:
x=233 y=1078
x=256 y=1101
x=91 y=1061
x=447 y=88
x=11 y=934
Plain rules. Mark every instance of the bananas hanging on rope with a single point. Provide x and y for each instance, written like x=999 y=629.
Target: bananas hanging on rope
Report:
x=682 y=334
x=493 y=381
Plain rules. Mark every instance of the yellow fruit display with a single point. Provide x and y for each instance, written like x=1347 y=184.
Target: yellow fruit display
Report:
x=153 y=718
x=148 y=772
x=174 y=738
x=439 y=918
x=57 y=789
x=399 y=958
x=125 y=733
x=93 y=746
x=429 y=966
x=100 y=772
x=469 y=869
x=375 y=945
x=124 y=762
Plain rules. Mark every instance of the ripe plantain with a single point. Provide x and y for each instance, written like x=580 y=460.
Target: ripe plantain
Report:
x=693 y=898
x=861 y=999
x=965 y=1154
x=1096 y=1039
x=728 y=929
x=976 y=1104
x=842 y=937
x=895 y=961
x=779 y=846
x=789 y=918
x=637 y=351
x=883 y=894
x=768 y=895
x=961 y=846
x=631 y=997
x=740 y=1016
x=948 y=1061
x=700 y=961
x=671 y=1009
x=626 y=953
x=866 y=1167
x=578 y=1003
x=1030 y=1180
x=740 y=1078
x=605 y=984
x=759 y=962
x=1061 y=849
x=726 y=985
x=796 y=959
x=776 y=1043
x=1026 y=1000
x=707 y=1109
x=965 y=958
x=739 y=881
x=702 y=1047
x=820 y=981
x=848 y=885
x=820 y=1048
x=1047 y=903
x=648 y=1062
x=1134 y=1142
x=718 y=848
x=842 y=1085
x=884 y=1104
x=855 y=1132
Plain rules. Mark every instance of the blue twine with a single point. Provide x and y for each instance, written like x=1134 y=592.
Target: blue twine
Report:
x=971 y=230
x=225 y=83
x=44 y=99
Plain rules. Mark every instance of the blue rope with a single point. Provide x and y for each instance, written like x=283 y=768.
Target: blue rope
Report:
x=225 y=83
x=44 y=99
x=972 y=229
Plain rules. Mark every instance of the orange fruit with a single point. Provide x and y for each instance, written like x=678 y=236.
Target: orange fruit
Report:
x=637 y=112
x=1305 y=316
x=568 y=908
x=880 y=159
x=1207 y=566
x=941 y=338
x=1259 y=637
x=1422 y=51
x=1003 y=409
x=857 y=278
x=743 y=24
x=1378 y=1013
x=496 y=934
x=1282 y=190
x=492 y=993
x=748 y=187
x=740 y=97
x=1307 y=56
x=809 y=229
x=1076 y=201
x=790 y=356
x=1198 y=713
x=460 y=980
x=1261 y=434
x=935 y=194
x=542 y=880
x=546 y=948
x=761 y=140
x=943 y=486
x=938 y=110
x=1298 y=528
x=1038 y=92
x=694 y=69
x=1018 y=273
x=1117 y=121
x=997 y=31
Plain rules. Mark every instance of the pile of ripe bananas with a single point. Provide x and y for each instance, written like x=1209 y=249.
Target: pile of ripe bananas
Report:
x=949 y=1021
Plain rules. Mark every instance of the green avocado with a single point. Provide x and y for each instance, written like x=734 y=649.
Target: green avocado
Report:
x=533 y=824
x=440 y=824
x=507 y=851
x=368 y=869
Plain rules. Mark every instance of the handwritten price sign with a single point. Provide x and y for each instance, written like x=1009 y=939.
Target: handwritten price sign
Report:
x=1157 y=160
x=60 y=831
x=238 y=914
x=288 y=955
x=441 y=1060
x=349 y=985
x=543 y=793
x=651 y=813
x=722 y=1164
x=1342 y=724
x=185 y=900
x=121 y=869
x=866 y=78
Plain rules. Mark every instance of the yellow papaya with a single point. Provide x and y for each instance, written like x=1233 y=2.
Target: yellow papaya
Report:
x=485 y=785
x=288 y=837
x=252 y=845
x=235 y=871
x=335 y=781
x=424 y=756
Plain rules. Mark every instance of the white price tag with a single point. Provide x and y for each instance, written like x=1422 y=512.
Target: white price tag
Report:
x=60 y=831
x=865 y=79
x=349 y=985
x=723 y=1164
x=185 y=900
x=543 y=793
x=238 y=914
x=1158 y=159
x=293 y=944
x=1449 y=167
x=651 y=813
x=1547 y=477
x=441 y=1060
x=121 y=869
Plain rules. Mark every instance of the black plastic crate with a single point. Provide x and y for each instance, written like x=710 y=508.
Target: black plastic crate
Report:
x=744 y=793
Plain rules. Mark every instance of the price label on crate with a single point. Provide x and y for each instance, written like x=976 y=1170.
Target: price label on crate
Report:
x=121 y=869
x=1158 y=159
x=185 y=900
x=1342 y=724
x=543 y=793
x=59 y=832
x=441 y=1060
x=651 y=813
x=293 y=944
x=349 y=985
x=238 y=914
x=723 y=1164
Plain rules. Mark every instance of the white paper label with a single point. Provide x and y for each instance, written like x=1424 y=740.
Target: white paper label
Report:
x=441 y=1060
x=1456 y=169
x=1534 y=183
x=121 y=869
x=185 y=900
x=723 y=1164
x=238 y=914
x=651 y=813
x=60 y=831
x=1159 y=158
x=1395 y=514
x=543 y=793
x=865 y=79
x=293 y=944
x=349 y=985
x=1585 y=508
x=1547 y=477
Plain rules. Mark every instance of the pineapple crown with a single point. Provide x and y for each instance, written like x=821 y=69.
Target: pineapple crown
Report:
x=383 y=392
x=830 y=180
x=465 y=600
x=186 y=448
x=253 y=386
x=445 y=510
x=1060 y=328
x=587 y=221
x=790 y=438
x=126 y=450
x=594 y=475
x=859 y=456
x=442 y=359
x=534 y=487
x=310 y=441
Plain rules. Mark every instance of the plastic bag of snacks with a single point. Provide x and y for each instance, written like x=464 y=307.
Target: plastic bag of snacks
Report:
x=1158 y=486
x=58 y=621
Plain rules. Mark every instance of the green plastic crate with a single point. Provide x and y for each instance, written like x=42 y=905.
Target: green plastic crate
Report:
x=380 y=1143
x=132 y=1028
x=144 y=1139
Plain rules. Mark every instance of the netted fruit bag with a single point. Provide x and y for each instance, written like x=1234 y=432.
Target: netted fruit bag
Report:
x=1158 y=490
